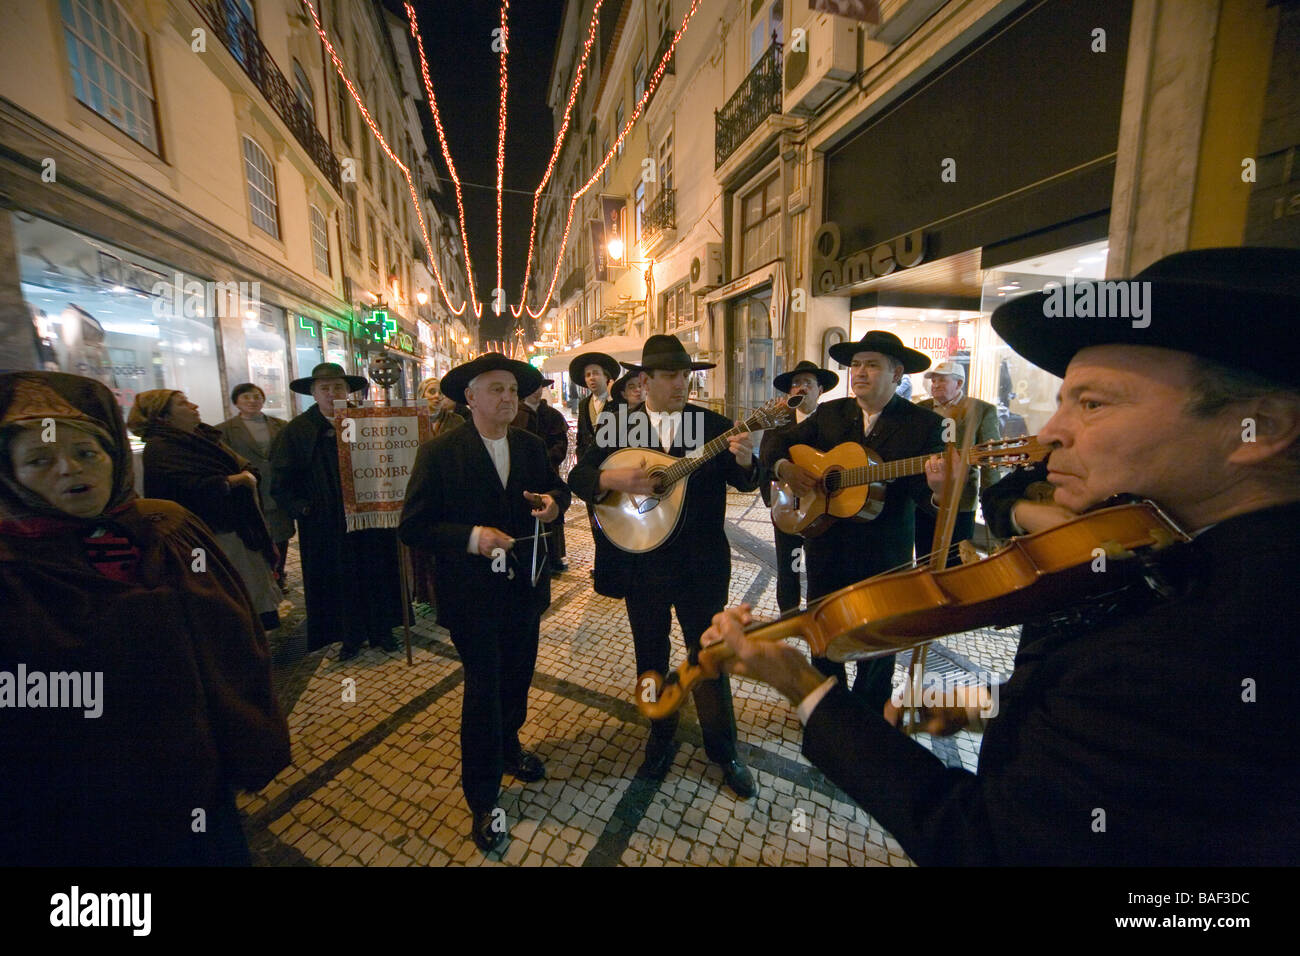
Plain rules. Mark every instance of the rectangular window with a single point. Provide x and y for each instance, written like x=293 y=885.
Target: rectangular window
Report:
x=618 y=127
x=388 y=255
x=354 y=231
x=260 y=173
x=383 y=179
x=666 y=162
x=365 y=153
x=372 y=244
x=638 y=78
x=760 y=224
x=345 y=109
x=320 y=241
x=110 y=72
x=302 y=89
x=640 y=211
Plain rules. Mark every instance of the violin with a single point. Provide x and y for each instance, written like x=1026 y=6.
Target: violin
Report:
x=1030 y=575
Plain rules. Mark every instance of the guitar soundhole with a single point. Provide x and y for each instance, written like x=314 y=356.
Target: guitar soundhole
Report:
x=832 y=480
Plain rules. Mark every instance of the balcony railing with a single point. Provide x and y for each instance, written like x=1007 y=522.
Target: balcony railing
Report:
x=757 y=98
x=241 y=39
x=664 y=43
x=574 y=282
x=660 y=216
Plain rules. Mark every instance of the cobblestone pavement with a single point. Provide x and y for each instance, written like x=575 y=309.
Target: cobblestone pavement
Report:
x=376 y=780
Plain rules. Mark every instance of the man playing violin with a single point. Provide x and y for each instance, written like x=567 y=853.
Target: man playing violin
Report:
x=877 y=417
x=1151 y=727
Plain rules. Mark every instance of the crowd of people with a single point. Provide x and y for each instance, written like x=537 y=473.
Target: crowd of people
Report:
x=1144 y=723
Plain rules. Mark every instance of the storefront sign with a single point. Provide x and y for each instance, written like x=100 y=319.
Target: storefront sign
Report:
x=831 y=273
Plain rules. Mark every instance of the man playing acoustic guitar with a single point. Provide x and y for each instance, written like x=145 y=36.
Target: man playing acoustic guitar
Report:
x=690 y=571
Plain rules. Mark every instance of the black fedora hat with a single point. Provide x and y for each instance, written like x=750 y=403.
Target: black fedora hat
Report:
x=825 y=377
x=578 y=367
x=665 y=352
x=457 y=380
x=327 y=370
x=885 y=342
x=1230 y=305
x=618 y=391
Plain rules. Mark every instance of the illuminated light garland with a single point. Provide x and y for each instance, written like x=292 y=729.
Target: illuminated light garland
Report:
x=636 y=114
x=555 y=154
x=476 y=306
x=383 y=144
x=501 y=146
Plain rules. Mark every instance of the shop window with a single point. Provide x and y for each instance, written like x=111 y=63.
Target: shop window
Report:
x=110 y=68
x=760 y=225
x=105 y=313
x=262 y=205
x=302 y=89
x=320 y=241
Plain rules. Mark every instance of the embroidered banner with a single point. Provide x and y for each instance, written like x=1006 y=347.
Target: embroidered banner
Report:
x=377 y=448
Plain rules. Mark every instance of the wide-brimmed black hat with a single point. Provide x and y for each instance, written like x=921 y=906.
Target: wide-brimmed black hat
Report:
x=578 y=367
x=327 y=370
x=1233 y=306
x=455 y=382
x=618 y=391
x=885 y=342
x=825 y=377
x=665 y=352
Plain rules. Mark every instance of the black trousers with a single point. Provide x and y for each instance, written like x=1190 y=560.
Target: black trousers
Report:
x=498 y=652
x=787 y=578
x=962 y=530
x=555 y=543
x=648 y=611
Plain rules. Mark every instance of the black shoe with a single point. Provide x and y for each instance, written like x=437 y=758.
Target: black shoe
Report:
x=487 y=836
x=387 y=643
x=526 y=766
x=658 y=759
x=739 y=779
x=347 y=653
x=562 y=566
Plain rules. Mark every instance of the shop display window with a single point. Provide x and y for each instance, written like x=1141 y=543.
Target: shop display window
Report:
x=120 y=318
x=308 y=352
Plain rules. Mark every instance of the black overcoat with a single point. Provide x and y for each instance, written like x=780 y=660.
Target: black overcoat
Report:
x=1159 y=733
x=852 y=550
x=351 y=581
x=698 y=552
x=586 y=428
x=454 y=486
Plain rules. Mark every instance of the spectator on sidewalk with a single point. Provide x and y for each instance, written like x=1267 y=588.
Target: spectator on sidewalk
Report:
x=251 y=433
x=174 y=666
x=185 y=461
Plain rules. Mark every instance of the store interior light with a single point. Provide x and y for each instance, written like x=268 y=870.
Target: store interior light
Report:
x=119 y=288
x=250 y=314
x=546 y=326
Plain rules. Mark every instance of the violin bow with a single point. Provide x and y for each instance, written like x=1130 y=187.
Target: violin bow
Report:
x=949 y=502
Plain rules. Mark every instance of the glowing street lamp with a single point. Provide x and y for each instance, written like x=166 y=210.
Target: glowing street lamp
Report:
x=615 y=249
x=422 y=297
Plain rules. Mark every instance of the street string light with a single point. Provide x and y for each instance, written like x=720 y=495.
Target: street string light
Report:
x=383 y=145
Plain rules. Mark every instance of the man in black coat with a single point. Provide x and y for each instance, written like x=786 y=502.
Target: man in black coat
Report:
x=473 y=491
x=879 y=419
x=809 y=381
x=551 y=427
x=595 y=371
x=350 y=580
x=692 y=570
x=1152 y=726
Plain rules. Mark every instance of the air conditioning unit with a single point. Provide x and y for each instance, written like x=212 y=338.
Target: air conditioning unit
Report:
x=706 y=267
x=822 y=65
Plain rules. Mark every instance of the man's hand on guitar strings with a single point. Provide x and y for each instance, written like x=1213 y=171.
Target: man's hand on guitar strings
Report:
x=630 y=481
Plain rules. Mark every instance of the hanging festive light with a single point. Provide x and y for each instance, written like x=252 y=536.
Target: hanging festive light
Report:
x=555 y=153
x=501 y=147
x=383 y=145
x=651 y=86
x=476 y=306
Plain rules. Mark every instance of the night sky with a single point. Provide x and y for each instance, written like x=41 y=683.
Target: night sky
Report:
x=458 y=43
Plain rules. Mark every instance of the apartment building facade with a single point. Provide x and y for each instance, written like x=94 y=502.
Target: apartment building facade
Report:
x=190 y=200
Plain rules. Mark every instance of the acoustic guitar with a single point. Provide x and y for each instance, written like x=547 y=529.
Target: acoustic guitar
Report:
x=850 y=480
x=641 y=523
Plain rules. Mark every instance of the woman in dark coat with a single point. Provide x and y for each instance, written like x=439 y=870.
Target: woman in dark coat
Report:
x=250 y=433
x=101 y=585
x=186 y=462
x=350 y=580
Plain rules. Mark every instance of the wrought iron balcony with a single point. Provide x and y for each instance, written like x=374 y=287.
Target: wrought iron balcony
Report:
x=240 y=37
x=757 y=98
x=659 y=54
x=660 y=216
x=574 y=282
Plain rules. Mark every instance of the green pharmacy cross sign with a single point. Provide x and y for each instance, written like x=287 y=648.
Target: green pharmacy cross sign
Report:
x=377 y=326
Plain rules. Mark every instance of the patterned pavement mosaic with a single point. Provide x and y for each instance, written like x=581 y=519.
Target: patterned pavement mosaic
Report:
x=375 y=777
